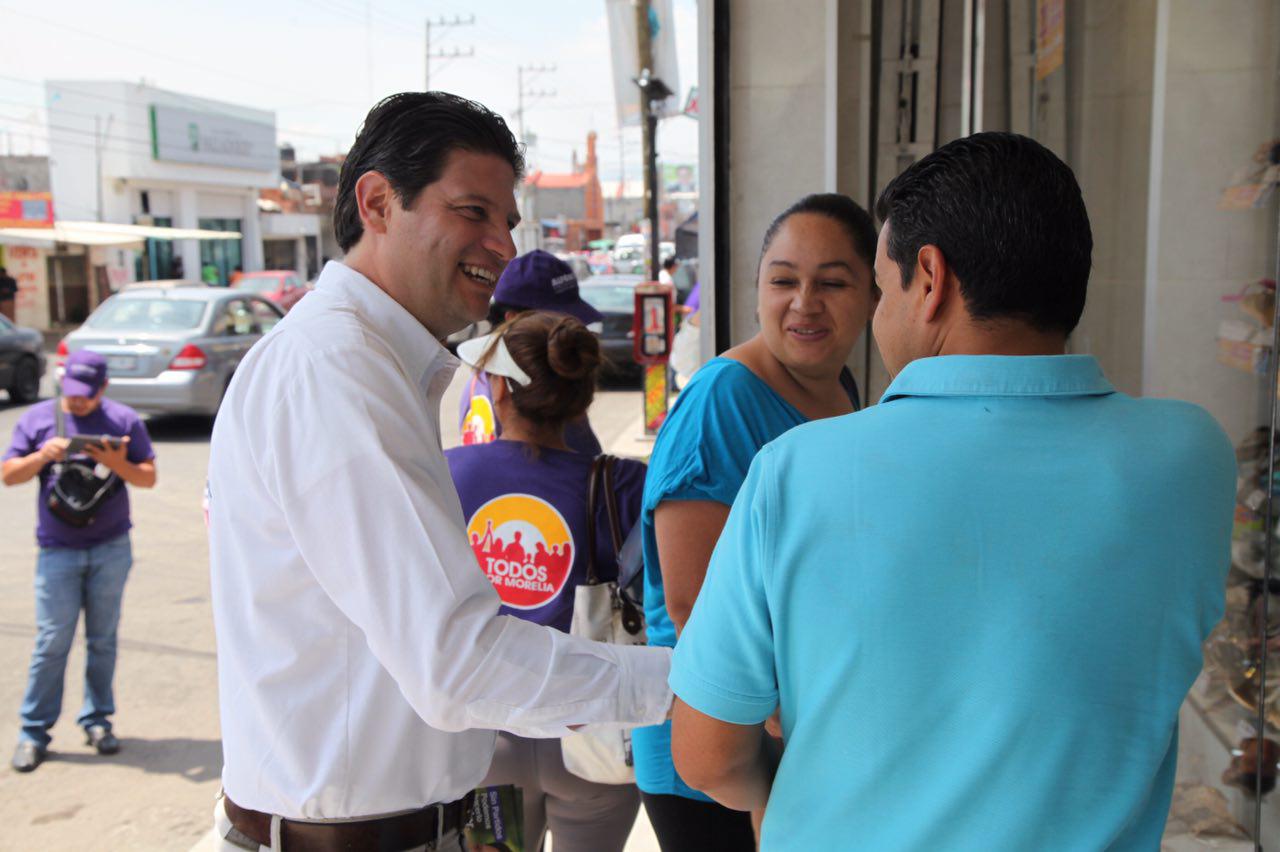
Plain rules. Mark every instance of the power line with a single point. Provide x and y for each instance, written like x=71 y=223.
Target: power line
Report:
x=63 y=128
x=525 y=95
x=446 y=25
x=185 y=62
x=389 y=23
x=194 y=102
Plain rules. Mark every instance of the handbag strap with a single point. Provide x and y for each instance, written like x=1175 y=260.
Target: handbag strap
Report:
x=60 y=425
x=601 y=478
x=593 y=481
x=611 y=506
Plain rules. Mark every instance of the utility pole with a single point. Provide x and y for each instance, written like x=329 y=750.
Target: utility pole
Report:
x=456 y=53
x=99 y=142
x=648 y=130
x=525 y=95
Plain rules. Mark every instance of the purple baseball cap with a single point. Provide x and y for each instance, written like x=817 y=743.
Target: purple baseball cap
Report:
x=84 y=373
x=540 y=281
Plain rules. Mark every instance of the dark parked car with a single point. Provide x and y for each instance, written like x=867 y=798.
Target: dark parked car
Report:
x=172 y=350
x=614 y=296
x=21 y=361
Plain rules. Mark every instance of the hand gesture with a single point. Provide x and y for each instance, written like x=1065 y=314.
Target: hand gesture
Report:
x=54 y=449
x=112 y=454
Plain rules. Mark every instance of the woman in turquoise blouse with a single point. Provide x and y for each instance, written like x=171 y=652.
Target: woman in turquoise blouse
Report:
x=815 y=292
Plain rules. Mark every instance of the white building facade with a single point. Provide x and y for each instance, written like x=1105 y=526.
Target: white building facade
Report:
x=128 y=153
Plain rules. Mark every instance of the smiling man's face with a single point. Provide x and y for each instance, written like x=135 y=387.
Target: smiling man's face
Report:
x=443 y=254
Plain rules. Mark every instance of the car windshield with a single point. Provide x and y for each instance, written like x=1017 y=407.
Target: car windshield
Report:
x=610 y=298
x=259 y=284
x=147 y=315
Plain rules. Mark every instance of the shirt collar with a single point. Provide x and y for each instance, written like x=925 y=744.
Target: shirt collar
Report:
x=419 y=353
x=1000 y=375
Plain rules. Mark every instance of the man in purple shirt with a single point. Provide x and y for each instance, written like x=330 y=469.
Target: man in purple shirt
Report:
x=79 y=567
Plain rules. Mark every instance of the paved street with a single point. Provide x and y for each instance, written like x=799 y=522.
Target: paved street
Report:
x=159 y=791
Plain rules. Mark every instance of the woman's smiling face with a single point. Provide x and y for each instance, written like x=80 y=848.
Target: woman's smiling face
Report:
x=814 y=295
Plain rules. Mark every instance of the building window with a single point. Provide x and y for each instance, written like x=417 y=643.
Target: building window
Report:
x=220 y=258
x=155 y=263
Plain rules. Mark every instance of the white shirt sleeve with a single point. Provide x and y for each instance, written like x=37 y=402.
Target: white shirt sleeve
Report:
x=375 y=517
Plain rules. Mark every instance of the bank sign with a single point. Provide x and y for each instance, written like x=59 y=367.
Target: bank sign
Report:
x=208 y=139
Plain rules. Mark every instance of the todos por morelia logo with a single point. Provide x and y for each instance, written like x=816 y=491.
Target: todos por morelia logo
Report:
x=524 y=546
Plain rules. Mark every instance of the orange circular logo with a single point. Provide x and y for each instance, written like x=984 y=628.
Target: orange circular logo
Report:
x=524 y=546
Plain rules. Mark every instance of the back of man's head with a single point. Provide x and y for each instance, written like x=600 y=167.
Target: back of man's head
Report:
x=1009 y=218
x=407 y=138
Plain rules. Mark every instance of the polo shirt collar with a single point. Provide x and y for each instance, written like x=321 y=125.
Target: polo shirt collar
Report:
x=420 y=354
x=1001 y=375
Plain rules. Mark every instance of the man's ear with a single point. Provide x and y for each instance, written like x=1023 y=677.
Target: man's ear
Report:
x=939 y=285
x=374 y=197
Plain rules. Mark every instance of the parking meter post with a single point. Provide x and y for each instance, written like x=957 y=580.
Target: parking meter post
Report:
x=652 y=334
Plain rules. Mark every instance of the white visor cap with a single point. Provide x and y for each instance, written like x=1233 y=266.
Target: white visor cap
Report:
x=500 y=363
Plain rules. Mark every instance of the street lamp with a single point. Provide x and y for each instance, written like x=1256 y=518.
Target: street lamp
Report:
x=652 y=92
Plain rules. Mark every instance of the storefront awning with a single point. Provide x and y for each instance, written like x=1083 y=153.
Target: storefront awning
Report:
x=105 y=234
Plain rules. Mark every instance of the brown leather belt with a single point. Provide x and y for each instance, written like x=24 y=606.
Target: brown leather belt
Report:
x=381 y=834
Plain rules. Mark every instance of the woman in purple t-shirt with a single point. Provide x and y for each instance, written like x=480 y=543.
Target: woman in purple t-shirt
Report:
x=524 y=498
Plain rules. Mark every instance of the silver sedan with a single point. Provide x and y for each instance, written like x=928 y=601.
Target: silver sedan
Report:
x=172 y=350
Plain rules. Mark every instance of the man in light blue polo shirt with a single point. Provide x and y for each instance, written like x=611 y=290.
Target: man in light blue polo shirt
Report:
x=978 y=605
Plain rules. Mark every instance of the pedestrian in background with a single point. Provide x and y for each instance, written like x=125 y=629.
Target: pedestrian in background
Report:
x=535 y=281
x=8 y=295
x=542 y=373
x=666 y=275
x=79 y=567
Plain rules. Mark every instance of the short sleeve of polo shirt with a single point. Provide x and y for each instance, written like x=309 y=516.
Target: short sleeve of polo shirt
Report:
x=23 y=441
x=140 y=449
x=709 y=440
x=724 y=662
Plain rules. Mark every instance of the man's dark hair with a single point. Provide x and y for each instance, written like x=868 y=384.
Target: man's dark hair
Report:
x=842 y=209
x=1008 y=216
x=407 y=138
x=669 y=263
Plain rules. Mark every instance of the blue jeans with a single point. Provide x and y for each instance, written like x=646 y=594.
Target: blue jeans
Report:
x=67 y=581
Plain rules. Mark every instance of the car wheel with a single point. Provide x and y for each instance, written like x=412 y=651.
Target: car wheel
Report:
x=26 y=381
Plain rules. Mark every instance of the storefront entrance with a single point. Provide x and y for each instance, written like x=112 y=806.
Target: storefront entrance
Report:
x=220 y=258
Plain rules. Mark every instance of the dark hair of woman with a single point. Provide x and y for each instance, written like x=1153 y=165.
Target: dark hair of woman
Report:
x=561 y=358
x=839 y=208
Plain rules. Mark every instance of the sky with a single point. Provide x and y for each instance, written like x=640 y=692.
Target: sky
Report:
x=320 y=64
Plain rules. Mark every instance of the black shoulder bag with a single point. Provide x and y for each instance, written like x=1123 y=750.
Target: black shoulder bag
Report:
x=78 y=492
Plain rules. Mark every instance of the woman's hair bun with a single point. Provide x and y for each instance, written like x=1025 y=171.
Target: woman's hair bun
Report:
x=573 y=352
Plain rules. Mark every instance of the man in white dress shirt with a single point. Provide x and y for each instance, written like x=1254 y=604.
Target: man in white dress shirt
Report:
x=362 y=664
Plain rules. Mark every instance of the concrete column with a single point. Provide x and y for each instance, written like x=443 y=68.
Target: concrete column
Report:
x=795 y=117
x=1214 y=104
x=300 y=257
x=799 y=122
x=251 y=229
x=187 y=216
x=1110 y=60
